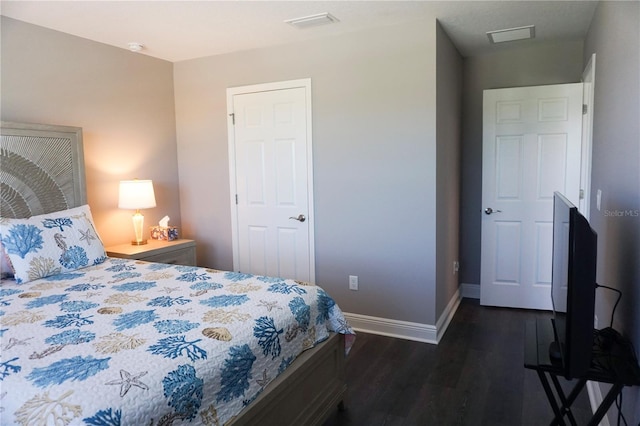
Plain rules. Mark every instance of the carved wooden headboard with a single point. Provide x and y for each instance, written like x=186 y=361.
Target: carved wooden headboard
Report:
x=41 y=169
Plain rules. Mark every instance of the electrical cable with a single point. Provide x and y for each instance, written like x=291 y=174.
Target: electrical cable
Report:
x=609 y=358
x=619 y=407
x=613 y=312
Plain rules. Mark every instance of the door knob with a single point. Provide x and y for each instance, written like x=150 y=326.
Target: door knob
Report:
x=300 y=218
x=489 y=210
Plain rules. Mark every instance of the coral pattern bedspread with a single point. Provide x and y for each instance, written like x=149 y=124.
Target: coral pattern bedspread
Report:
x=134 y=343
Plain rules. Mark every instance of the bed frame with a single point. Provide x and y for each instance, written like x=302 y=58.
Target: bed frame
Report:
x=306 y=393
x=42 y=170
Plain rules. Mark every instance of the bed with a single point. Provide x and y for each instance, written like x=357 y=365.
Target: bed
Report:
x=87 y=339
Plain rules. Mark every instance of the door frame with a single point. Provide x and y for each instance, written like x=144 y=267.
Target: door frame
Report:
x=588 y=80
x=304 y=83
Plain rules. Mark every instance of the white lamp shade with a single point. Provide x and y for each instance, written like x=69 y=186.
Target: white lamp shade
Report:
x=136 y=194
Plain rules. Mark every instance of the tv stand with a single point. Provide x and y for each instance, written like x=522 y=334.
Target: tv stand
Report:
x=614 y=364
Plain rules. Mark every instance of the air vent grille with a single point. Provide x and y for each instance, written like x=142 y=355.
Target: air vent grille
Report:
x=312 y=20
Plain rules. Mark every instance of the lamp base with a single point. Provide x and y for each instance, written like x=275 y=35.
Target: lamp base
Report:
x=138 y=220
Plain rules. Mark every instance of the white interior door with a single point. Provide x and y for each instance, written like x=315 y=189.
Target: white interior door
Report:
x=271 y=179
x=531 y=148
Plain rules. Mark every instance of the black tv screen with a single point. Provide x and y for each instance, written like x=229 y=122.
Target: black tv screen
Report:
x=573 y=286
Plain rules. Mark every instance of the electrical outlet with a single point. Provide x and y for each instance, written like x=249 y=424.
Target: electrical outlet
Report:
x=456 y=267
x=353 y=282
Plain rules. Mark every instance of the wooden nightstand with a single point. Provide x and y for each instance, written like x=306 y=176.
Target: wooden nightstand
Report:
x=178 y=252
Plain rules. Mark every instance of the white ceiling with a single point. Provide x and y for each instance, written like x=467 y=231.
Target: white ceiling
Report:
x=181 y=30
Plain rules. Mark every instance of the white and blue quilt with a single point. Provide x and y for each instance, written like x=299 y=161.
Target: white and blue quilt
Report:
x=134 y=343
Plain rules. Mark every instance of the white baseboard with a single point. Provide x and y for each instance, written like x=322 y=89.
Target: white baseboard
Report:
x=595 y=399
x=447 y=315
x=470 y=291
x=393 y=328
x=403 y=329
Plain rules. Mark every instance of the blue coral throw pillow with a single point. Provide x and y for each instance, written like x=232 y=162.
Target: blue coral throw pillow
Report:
x=52 y=243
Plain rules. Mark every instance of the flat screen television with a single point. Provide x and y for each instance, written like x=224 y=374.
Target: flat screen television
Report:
x=573 y=286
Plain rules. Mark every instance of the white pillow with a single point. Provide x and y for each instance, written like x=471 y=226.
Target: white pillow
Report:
x=52 y=243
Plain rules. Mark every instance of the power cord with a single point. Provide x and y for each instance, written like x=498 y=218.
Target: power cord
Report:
x=619 y=407
x=613 y=312
x=604 y=333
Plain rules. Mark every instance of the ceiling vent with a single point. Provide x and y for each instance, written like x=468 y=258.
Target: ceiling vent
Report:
x=512 y=34
x=312 y=20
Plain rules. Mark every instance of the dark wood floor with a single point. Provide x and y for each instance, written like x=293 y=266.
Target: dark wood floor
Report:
x=475 y=376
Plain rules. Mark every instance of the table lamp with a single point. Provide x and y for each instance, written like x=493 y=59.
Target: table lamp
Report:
x=135 y=195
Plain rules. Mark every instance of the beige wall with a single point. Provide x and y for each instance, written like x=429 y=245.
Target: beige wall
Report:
x=374 y=160
x=123 y=101
x=374 y=101
x=614 y=36
x=448 y=135
x=540 y=64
